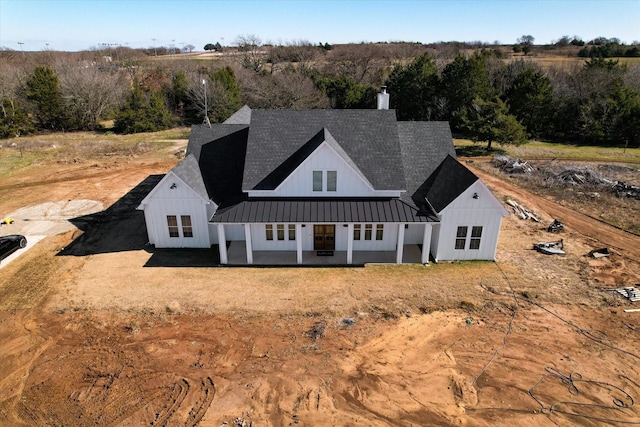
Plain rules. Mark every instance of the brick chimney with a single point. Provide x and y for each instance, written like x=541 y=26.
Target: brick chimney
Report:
x=383 y=99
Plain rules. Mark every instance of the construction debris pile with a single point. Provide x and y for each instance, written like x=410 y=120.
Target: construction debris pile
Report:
x=510 y=165
x=554 y=174
x=623 y=189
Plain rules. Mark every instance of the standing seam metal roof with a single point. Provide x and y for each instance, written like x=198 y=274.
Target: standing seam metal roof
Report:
x=320 y=210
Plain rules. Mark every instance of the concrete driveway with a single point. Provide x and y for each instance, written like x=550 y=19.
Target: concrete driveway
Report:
x=47 y=219
x=32 y=240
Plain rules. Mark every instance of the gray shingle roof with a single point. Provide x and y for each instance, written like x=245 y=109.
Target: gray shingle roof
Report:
x=368 y=137
x=446 y=183
x=219 y=152
x=188 y=170
x=226 y=160
x=275 y=178
x=240 y=117
x=431 y=169
x=203 y=134
x=424 y=146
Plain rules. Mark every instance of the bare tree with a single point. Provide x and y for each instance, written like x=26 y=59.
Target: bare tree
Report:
x=301 y=54
x=89 y=92
x=251 y=51
x=289 y=89
x=363 y=63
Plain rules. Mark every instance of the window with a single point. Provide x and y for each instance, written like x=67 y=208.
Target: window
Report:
x=476 y=234
x=367 y=231
x=379 y=230
x=292 y=232
x=269 y=231
x=357 y=229
x=280 y=230
x=172 y=222
x=317 y=180
x=332 y=180
x=187 y=229
x=461 y=237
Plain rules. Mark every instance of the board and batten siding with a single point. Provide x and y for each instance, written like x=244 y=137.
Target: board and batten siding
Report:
x=485 y=211
x=178 y=201
x=349 y=182
x=259 y=241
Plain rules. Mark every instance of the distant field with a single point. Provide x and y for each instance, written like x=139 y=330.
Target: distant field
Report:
x=567 y=62
x=547 y=150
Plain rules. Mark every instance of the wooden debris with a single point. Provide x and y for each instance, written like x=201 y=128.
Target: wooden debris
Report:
x=632 y=293
x=521 y=211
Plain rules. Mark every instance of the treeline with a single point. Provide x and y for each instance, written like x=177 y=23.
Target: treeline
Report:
x=602 y=47
x=483 y=93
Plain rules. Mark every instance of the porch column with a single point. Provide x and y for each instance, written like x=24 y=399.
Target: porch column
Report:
x=426 y=244
x=350 y=243
x=400 y=247
x=248 y=244
x=299 y=243
x=222 y=244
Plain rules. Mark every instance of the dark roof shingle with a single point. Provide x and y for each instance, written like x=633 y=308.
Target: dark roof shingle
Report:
x=368 y=137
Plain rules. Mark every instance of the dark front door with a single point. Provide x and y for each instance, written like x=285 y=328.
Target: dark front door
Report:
x=324 y=237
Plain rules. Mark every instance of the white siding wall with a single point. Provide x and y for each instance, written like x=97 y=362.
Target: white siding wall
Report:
x=388 y=242
x=325 y=158
x=484 y=211
x=260 y=242
x=181 y=200
x=414 y=234
x=234 y=232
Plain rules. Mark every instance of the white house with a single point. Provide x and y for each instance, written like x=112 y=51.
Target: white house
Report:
x=331 y=183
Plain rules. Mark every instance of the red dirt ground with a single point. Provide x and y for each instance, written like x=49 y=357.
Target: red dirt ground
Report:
x=99 y=335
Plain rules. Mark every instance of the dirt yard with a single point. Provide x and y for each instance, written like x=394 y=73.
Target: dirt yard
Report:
x=97 y=328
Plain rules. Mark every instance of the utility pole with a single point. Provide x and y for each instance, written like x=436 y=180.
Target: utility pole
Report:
x=21 y=49
x=206 y=110
x=155 y=52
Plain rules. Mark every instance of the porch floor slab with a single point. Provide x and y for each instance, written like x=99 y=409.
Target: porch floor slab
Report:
x=237 y=255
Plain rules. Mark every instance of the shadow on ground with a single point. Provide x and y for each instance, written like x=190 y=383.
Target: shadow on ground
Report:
x=118 y=228
x=183 y=257
x=121 y=228
x=478 y=151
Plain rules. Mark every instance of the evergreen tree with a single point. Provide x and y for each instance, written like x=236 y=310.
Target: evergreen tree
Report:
x=13 y=122
x=345 y=92
x=490 y=121
x=43 y=91
x=179 y=94
x=530 y=100
x=415 y=89
x=462 y=81
x=143 y=112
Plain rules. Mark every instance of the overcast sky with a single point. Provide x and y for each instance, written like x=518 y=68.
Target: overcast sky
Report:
x=85 y=24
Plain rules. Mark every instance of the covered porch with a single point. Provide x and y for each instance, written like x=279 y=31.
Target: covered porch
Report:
x=322 y=231
x=237 y=255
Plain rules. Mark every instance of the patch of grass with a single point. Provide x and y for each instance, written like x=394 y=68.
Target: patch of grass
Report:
x=37 y=149
x=549 y=150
